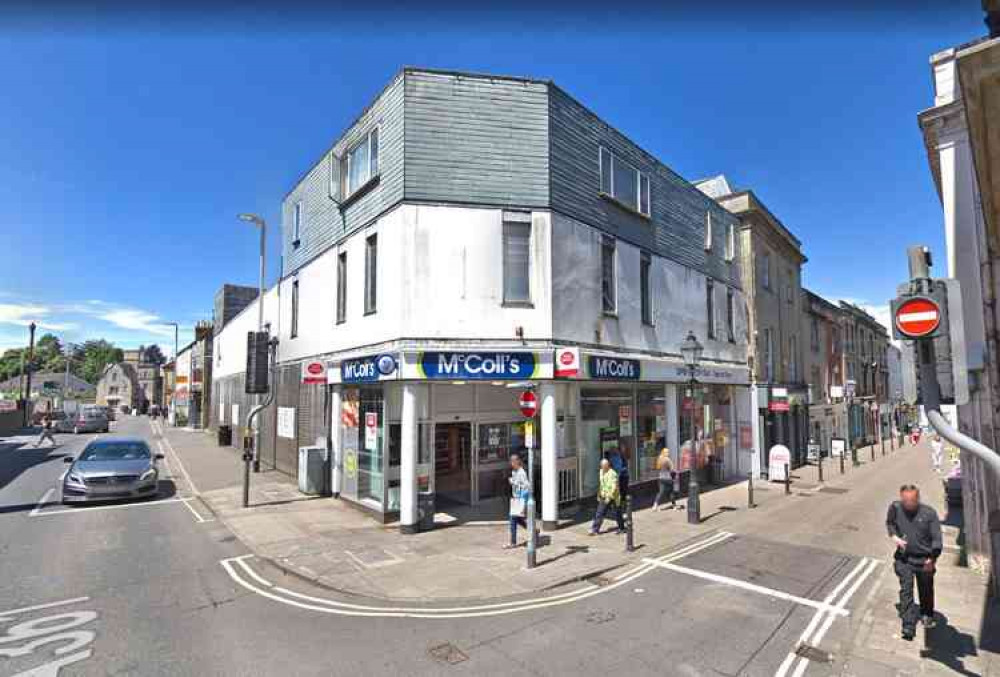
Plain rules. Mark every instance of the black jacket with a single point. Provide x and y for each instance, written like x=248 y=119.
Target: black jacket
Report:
x=921 y=530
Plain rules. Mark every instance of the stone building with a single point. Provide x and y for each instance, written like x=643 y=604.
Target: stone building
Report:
x=866 y=375
x=771 y=267
x=119 y=387
x=823 y=360
x=148 y=372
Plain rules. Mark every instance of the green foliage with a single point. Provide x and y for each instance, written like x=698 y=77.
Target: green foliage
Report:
x=86 y=361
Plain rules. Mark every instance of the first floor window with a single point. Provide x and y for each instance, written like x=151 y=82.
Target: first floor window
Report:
x=371 y=273
x=341 y=287
x=609 y=300
x=517 y=261
x=645 y=265
x=361 y=163
x=730 y=315
x=623 y=182
x=295 y=309
x=710 y=307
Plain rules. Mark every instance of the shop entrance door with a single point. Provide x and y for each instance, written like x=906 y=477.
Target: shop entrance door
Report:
x=453 y=463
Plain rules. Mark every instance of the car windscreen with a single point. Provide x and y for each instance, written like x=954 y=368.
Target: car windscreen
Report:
x=115 y=451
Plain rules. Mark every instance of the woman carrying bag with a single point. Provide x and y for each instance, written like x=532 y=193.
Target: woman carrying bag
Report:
x=520 y=489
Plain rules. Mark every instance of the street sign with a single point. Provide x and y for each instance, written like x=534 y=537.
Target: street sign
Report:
x=917 y=317
x=313 y=371
x=371 y=431
x=528 y=403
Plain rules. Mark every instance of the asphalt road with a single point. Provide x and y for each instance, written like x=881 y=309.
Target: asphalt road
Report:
x=159 y=587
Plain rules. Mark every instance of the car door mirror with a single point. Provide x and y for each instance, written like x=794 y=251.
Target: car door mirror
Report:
x=67 y=459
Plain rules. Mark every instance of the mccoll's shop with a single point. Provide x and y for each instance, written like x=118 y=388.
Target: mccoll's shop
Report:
x=466 y=423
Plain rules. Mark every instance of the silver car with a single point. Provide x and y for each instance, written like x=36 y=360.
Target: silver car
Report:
x=89 y=420
x=117 y=467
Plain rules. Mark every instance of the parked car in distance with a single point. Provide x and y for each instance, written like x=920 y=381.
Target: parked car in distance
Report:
x=90 y=420
x=111 y=468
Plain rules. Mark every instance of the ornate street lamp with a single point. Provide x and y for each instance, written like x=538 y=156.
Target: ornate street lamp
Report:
x=691 y=351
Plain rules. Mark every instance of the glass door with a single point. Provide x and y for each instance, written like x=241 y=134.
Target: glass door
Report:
x=453 y=463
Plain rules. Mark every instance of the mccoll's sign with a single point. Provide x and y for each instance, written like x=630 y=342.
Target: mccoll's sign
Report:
x=488 y=366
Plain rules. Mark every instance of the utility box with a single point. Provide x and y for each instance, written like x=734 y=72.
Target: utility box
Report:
x=225 y=436
x=312 y=465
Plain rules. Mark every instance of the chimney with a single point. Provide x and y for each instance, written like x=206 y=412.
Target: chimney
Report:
x=992 y=20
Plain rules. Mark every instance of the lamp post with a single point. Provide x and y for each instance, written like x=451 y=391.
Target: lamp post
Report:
x=691 y=351
x=173 y=408
x=261 y=225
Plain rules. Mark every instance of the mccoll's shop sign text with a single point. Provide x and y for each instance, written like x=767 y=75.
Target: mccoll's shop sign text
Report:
x=478 y=365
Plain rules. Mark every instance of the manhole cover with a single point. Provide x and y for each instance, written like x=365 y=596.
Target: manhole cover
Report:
x=811 y=653
x=447 y=653
x=833 y=490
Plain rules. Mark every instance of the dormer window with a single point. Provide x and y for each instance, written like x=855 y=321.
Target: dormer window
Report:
x=361 y=163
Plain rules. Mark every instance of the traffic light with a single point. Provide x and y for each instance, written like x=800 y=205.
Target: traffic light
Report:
x=927 y=319
x=256 y=380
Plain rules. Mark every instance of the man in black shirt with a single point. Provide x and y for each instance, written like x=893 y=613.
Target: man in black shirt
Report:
x=915 y=531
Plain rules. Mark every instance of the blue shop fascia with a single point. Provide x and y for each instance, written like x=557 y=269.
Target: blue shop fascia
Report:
x=468 y=423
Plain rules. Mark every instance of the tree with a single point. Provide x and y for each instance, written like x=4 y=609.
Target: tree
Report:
x=154 y=355
x=96 y=356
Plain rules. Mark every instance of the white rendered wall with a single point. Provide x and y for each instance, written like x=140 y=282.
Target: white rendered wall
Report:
x=230 y=345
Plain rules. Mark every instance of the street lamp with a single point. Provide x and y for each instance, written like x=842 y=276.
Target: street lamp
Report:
x=691 y=351
x=173 y=408
x=262 y=226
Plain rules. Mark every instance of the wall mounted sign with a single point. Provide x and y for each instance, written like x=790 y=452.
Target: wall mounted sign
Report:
x=567 y=362
x=371 y=431
x=613 y=368
x=367 y=369
x=478 y=366
x=286 y=422
x=313 y=371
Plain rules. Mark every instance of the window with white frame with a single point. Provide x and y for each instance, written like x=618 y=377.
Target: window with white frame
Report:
x=297 y=221
x=517 y=259
x=730 y=242
x=708 y=231
x=295 y=309
x=609 y=292
x=768 y=361
x=623 y=182
x=765 y=270
x=360 y=163
x=371 y=273
x=341 y=287
x=645 y=288
x=710 y=307
x=793 y=358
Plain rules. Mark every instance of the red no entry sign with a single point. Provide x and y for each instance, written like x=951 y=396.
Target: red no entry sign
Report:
x=528 y=403
x=918 y=317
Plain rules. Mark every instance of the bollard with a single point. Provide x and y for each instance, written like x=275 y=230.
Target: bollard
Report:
x=247 y=460
x=788 y=481
x=854 y=458
x=873 y=452
x=750 y=503
x=629 y=533
x=532 y=542
x=883 y=445
x=819 y=464
x=841 y=463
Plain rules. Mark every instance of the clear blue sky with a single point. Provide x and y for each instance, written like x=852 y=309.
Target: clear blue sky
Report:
x=127 y=149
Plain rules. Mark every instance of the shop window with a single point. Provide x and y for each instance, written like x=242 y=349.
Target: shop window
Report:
x=607 y=421
x=651 y=427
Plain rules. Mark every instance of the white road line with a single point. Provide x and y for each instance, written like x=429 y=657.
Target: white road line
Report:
x=180 y=464
x=38 y=607
x=752 y=587
x=42 y=502
x=196 y=514
x=501 y=608
x=818 y=616
x=818 y=637
x=84 y=510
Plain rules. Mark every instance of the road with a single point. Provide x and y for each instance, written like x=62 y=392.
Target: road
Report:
x=160 y=587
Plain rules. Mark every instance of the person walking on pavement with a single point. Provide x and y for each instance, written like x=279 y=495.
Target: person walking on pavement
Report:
x=520 y=488
x=46 y=432
x=608 y=498
x=665 y=476
x=937 y=453
x=620 y=465
x=915 y=531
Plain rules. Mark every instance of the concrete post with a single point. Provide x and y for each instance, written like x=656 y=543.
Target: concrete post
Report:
x=408 y=513
x=338 y=457
x=550 y=470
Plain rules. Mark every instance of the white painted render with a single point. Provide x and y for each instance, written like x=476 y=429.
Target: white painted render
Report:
x=229 y=348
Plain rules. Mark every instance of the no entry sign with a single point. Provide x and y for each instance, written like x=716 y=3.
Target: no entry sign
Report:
x=528 y=403
x=917 y=317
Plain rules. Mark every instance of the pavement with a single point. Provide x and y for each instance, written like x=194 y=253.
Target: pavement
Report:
x=167 y=587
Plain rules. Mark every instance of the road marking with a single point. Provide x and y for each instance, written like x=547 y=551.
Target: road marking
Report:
x=180 y=464
x=752 y=587
x=807 y=634
x=235 y=565
x=42 y=502
x=37 y=607
x=197 y=516
x=83 y=510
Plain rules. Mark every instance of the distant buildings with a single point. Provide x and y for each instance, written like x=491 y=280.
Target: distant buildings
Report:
x=192 y=375
x=119 y=387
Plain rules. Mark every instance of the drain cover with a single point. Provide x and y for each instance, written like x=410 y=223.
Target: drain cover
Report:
x=809 y=652
x=447 y=653
x=833 y=490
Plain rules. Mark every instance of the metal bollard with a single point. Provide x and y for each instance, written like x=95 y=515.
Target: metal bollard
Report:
x=750 y=503
x=883 y=445
x=247 y=460
x=819 y=463
x=788 y=481
x=532 y=544
x=873 y=452
x=629 y=532
x=854 y=458
x=841 y=463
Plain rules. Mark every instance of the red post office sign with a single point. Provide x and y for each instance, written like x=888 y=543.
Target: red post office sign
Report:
x=313 y=371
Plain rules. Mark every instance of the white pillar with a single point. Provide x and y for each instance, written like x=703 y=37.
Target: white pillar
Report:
x=755 y=431
x=335 y=441
x=550 y=468
x=408 y=513
x=673 y=422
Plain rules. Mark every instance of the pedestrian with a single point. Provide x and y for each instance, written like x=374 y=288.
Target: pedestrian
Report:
x=608 y=498
x=46 y=432
x=937 y=453
x=915 y=531
x=520 y=489
x=619 y=463
x=666 y=476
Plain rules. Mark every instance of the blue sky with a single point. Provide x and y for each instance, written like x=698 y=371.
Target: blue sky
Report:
x=127 y=148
